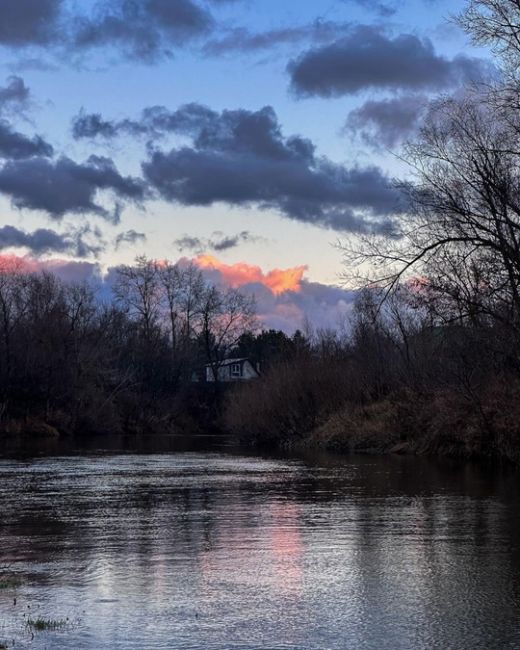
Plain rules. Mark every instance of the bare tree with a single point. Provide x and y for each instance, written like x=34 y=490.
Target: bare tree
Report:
x=182 y=287
x=225 y=316
x=461 y=234
x=137 y=289
x=495 y=23
x=13 y=306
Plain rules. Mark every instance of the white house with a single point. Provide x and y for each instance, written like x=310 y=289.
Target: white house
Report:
x=233 y=370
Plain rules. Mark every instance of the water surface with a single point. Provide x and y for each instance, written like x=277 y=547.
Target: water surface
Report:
x=216 y=550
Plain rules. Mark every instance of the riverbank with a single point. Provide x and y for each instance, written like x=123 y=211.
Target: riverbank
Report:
x=440 y=425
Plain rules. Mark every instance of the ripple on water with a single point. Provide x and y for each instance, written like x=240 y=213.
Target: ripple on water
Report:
x=222 y=551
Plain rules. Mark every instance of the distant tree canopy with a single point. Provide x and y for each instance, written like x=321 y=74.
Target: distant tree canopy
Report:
x=269 y=346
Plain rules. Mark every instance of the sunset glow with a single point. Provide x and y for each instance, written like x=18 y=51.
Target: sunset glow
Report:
x=278 y=281
x=16 y=264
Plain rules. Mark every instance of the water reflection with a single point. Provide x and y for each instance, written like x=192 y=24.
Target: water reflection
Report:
x=226 y=550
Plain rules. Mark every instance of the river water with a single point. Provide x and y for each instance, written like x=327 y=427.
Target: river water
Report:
x=223 y=549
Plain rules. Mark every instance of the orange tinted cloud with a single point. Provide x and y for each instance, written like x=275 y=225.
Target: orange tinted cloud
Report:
x=236 y=275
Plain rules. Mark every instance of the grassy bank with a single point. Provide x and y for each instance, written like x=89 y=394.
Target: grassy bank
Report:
x=441 y=425
x=316 y=405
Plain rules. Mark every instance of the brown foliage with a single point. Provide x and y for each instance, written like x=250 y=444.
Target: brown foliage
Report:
x=293 y=398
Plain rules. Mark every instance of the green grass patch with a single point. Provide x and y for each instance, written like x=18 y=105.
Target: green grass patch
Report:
x=9 y=583
x=46 y=624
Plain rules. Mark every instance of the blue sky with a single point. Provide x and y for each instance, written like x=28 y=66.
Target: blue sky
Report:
x=326 y=69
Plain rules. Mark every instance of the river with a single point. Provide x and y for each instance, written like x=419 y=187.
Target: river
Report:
x=224 y=549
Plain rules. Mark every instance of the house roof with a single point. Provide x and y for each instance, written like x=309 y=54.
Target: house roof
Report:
x=228 y=362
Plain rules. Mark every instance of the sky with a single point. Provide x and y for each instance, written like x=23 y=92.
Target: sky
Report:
x=248 y=135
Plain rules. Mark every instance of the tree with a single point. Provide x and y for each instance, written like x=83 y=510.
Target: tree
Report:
x=225 y=316
x=495 y=23
x=137 y=289
x=265 y=348
x=182 y=287
x=461 y=233
x=13 y=306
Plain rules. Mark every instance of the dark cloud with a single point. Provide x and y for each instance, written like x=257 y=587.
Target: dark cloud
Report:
x=15 y=145
x=370 y=59
x=141 y=29
x=242 y=158
x=190 y=243
x=144 y=29
x=226 y=242
x=15 y=92
x=218 y=242
x=387 y=122
x=64 y=186
x=29 y=22
x=190 y=119
x=43 y=241
x=93 y=125
x=129 y=237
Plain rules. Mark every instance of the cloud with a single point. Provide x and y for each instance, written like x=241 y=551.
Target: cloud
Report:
x=15 y=92
x=218 y=242
x=14 y=96
x=284 y=298
x=242 y=158
x=129 y=237
x=238 y=275
x=29 y=22
x=384 y=9
x=242 y=39
x=368 y=59
x=144 y=30
x=64 y=186
x=190 y=243
x=93 y=125
x=225 y=242
x=43 y=240
x=190 y=119
x=16 y=145
x=387 y=122
x=67 y=270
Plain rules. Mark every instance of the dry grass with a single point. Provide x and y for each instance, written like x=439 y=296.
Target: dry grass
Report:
x=289 y=402
x=354 y=428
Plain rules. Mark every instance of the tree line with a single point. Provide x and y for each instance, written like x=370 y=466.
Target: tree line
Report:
x=82 y=364
x=432 y=359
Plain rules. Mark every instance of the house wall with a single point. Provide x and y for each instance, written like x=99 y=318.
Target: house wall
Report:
x=248 y=372
x=224 y=373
